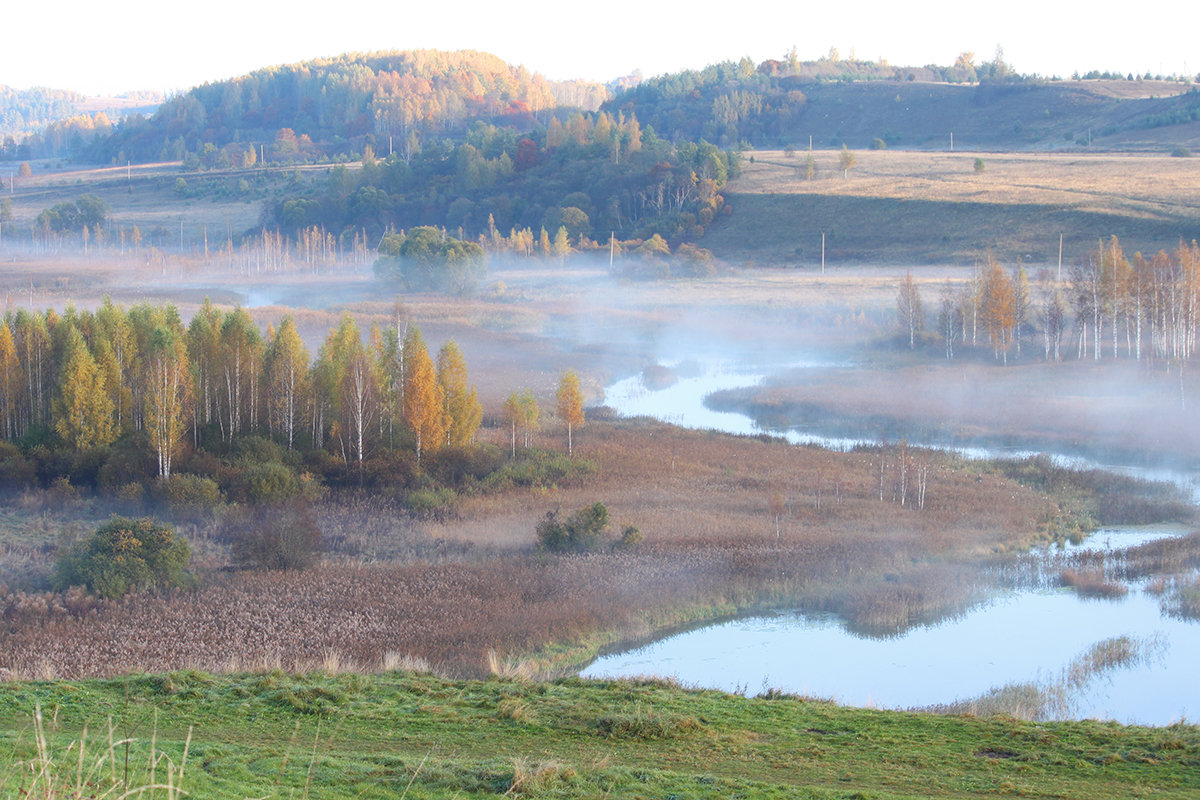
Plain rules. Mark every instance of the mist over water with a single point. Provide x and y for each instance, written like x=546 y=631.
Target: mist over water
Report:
x=1022 y=637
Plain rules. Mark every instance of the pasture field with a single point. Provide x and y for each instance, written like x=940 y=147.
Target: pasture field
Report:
x=897 y=207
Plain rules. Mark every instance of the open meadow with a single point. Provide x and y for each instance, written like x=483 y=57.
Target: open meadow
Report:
x=914 y=208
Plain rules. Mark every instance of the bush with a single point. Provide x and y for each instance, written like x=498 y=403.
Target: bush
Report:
x=272 y=536
x=631 y=538
x=431 y=502
x=122 y=555
x=268 y=482
x=16 y=471
x=454 y=466
x=579 y=533
x=191 y=495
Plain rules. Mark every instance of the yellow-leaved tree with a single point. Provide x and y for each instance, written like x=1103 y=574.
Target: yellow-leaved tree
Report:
x=424 y=410
x=570 y=405
x=463 y=412
x=10 y=381
x=288 y=381
x=84 y=410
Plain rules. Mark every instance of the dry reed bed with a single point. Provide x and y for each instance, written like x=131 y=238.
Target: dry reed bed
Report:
x=450 y=615
x=702 y=500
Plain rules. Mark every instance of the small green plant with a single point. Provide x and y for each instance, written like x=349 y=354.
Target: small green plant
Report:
x=578 y=533
x=979 y=165
x=631 y=538
x=125 y=554
x=878 y=144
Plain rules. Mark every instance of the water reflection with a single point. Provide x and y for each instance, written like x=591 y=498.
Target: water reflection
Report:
x=1022 y=636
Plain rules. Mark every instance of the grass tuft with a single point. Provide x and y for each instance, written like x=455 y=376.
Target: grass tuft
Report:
x=646 y=724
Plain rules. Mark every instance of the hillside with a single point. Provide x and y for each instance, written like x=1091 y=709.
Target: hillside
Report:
x=40 y=122
x=335 y=106
x=935 y=207
x=769 y=107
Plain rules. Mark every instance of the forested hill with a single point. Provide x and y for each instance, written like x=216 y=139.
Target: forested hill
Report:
x=41 y=122
x=780 y=105
x=336 y=106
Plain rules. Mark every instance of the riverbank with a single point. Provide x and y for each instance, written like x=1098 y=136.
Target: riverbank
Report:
x=323 y=735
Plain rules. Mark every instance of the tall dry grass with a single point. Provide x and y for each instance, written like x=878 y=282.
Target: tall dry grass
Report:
x=83 y=768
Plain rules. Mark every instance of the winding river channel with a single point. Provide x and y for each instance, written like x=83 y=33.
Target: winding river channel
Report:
x=1030 y=636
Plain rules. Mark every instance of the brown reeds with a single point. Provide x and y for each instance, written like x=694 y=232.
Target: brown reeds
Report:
x=447 y=593
x=1092 y=584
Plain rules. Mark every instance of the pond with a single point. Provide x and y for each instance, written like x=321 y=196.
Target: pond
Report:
x=1021 y=637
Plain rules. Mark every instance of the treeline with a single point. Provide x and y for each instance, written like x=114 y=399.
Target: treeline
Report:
x=1109 y=307
x=338 y=106
x=592 y=174
x=121 y=400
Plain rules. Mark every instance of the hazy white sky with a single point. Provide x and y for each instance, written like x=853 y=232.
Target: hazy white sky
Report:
x=122 y=45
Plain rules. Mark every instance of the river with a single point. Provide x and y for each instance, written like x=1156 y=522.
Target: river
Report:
x=1021 y=637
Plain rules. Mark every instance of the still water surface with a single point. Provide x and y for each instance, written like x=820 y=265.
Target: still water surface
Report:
x=1019 y=637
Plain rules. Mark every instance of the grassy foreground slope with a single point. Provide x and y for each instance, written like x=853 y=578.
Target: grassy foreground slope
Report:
x=407 y=735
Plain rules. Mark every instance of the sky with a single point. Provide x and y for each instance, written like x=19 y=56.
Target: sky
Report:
x=125 y=45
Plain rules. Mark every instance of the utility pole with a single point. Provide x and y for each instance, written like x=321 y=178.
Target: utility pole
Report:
x=951 y=141
x=612 y=239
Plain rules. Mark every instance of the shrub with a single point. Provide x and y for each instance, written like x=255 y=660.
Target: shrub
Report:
x=431 y=502
x=631 y=538
x=125 y=554
x=268 y=482
x=272 y=536
x=455 y=465
x=878 y=144
x=191 y=495
x=16 y=471
x=251 y=450
x=578 y=533
x=979 y=165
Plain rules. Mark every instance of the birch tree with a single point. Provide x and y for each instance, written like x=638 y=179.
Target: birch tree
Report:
x=463 y=412
x=570 y=405
x=83 y=409
x=424 y=405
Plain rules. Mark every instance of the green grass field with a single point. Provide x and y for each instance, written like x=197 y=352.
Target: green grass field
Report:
x=404 y=735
